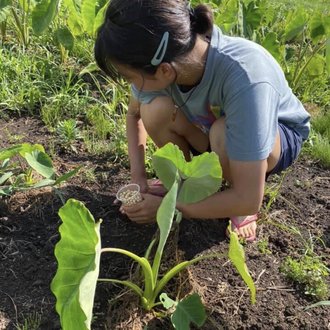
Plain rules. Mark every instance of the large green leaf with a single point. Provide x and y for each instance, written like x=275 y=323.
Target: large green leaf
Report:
x=165 y=215
x=43 y=14
x=88 y=13
x=189 y=310
x=296 y=23
x=201 y=176
x=99 y=19
x=78 y=256
x=41 y=162
x=237 y=257
x=64 y=37
x=74 y=18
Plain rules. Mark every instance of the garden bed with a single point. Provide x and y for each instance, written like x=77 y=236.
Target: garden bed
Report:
x=29 y=231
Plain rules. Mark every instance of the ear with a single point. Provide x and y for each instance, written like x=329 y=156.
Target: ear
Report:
x=166 y=71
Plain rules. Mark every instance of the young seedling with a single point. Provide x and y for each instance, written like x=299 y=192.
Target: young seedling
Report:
x=26 y=166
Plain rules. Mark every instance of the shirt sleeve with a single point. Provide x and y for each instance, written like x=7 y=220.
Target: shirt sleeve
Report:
x=146 y=97
x=251 y=122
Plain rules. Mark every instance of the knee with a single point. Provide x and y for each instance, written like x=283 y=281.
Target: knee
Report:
x=217 y=135
x=157 y=115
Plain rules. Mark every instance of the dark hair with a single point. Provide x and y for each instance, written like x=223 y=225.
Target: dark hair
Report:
x=133 y=29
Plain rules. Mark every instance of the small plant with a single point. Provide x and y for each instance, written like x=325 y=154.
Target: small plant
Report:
x=79 y=250
x=263 y=246
x=68 y=132
x=310 y=272
x=25 y=166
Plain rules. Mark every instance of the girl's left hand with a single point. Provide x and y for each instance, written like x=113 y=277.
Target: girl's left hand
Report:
x=145 y=211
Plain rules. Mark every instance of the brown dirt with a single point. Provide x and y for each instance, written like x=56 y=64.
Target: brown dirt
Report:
x=29 y=230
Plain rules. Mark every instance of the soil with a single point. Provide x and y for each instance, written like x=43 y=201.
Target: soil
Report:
x=29 y=231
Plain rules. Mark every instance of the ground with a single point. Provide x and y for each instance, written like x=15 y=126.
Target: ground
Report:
x=29 y=231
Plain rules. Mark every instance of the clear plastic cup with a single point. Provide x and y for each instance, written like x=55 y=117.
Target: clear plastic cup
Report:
x=129 y=194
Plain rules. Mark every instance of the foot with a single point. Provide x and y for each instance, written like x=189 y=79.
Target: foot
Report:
x=245 y=226
x=156 y=187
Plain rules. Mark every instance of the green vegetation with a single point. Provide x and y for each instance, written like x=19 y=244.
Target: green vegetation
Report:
x=25 y=166
x=47 y=70
x=309 y=272
x=74 y=286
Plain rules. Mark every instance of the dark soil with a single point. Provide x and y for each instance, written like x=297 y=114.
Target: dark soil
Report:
x=29 y=231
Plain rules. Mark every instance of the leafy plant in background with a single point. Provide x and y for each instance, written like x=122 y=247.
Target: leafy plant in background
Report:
x=309 y=272
x=68 y=132
x=37 y=171
x=79 y=250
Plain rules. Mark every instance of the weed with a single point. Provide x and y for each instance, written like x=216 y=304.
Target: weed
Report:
x=309 y=272
x=68 y=131
x=263 y=246
x=32 y=322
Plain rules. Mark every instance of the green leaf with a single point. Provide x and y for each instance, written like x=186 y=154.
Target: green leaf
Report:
x=8 y=153
x=40 y=162
x=64 y=37
x=43 y=183
x=78 y=255
x=166 y=161
x=74 y=18
x=7 y=191
x=320 y=303
x=5 y=3
x=317 y=29
x=29 y=148
x=295 y=24
x=4 y=9
x=99 y=19
x=237 y=257
x=272 y=44
x=167 y=301
x=90 y=68
x=43 y=14
x=201 y=176
x=165 y=215
x=189 y=310
x=88 y=13
x=5 y=177
x=316 y=66
x=67 y=176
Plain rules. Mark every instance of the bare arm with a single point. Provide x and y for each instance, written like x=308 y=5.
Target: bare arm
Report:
x=243 y=198
x=136 y=138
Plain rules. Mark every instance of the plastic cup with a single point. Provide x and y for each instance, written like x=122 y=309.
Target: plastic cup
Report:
x=129 y=194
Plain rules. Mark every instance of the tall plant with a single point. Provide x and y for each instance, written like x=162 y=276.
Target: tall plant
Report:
x=79 y=250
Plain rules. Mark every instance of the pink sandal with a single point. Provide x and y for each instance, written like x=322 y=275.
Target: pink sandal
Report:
x=235 y=224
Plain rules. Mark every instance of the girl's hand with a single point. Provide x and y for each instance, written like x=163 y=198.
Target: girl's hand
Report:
x=143 y=212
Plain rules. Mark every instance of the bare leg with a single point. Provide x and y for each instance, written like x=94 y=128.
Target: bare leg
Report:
x=218 y=145
x=164 y=123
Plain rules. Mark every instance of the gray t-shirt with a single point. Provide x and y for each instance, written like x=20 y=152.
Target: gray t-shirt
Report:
x=243 y=82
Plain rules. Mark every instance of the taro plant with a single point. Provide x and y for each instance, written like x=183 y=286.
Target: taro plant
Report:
x=79 y=250
x=26 y=166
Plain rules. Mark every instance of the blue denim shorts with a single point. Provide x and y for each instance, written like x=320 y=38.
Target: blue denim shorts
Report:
x=291 y=143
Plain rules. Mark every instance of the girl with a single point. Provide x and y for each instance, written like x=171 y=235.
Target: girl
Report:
x=202 y=90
